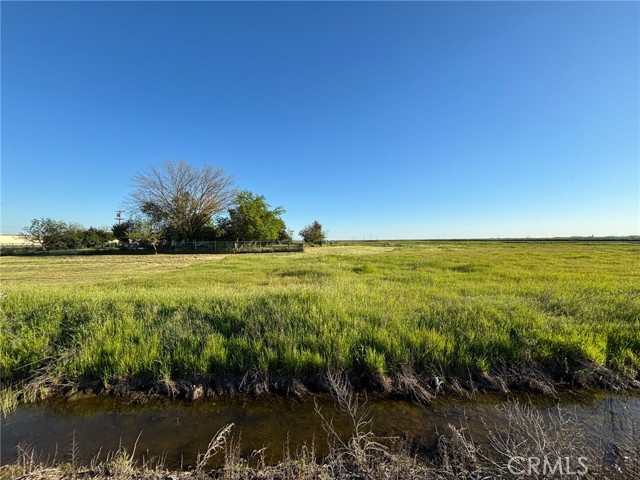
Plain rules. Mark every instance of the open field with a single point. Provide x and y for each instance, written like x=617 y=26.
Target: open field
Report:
x=393 y=315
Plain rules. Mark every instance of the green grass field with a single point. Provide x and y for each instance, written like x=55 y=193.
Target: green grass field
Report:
x=450 y=308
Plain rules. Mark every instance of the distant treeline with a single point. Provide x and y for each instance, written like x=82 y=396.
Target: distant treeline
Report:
x=176 y=202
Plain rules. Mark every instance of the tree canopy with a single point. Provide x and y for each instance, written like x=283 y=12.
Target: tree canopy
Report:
x=146 y=231
x=253 y=219
x=181 y=199
x=313 y=234
x=123 y=230
x=177 y=202
x=44 y=231
x=50 y=233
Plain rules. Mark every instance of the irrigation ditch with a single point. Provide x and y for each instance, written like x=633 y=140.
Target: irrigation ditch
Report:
x=579 y=434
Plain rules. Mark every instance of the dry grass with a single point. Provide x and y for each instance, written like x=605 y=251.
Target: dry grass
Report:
x=76 y=270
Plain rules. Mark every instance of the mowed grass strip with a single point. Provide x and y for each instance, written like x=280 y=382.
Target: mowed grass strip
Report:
x=457 y=307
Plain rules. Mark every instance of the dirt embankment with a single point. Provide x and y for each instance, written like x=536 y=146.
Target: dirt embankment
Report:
x=405 y=384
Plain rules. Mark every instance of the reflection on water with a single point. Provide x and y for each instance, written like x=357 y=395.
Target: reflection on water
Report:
x=180 y=429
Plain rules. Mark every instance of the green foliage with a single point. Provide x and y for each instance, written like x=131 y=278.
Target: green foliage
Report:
x=140 y=230
x=123 y=230
x=285 y=234
x=365 y=268
x=96 y=237
x=313 y=234
x=367 y=309
x=49 y=233
x=45 y=232
x=147 y=231
x=252 y=219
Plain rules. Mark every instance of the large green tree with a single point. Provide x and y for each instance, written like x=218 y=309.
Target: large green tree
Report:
x=252 y=218
x=181 y=199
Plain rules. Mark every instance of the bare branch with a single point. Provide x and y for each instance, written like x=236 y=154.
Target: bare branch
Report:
x=182 y=198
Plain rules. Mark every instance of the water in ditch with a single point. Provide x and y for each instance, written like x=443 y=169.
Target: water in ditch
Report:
x=179 y=430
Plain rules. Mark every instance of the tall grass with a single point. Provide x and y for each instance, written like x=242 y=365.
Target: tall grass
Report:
x=439 y=308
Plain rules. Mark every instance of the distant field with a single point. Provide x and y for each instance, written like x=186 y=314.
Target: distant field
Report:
x=456 y=310
x=14 y=240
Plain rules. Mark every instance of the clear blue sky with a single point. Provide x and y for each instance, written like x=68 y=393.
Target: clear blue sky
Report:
x=380 y=120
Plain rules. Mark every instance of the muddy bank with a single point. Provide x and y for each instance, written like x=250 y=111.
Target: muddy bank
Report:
x=406 y=384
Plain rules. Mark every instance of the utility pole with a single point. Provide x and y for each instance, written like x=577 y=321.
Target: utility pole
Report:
x=119 y=216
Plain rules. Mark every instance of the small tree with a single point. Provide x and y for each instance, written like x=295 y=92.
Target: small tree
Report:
x=313 y=234
x=252 y=219
x=45 y=232
x=148 y=232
